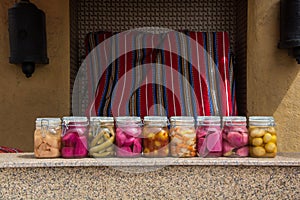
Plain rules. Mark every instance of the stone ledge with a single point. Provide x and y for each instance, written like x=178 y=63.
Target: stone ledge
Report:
x=25 y=160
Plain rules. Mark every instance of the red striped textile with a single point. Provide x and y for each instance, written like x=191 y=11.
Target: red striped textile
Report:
x=181 y=74
x=9 y=150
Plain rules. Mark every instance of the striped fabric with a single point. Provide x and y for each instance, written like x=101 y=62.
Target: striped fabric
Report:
x=9 y=150
x=172 y=74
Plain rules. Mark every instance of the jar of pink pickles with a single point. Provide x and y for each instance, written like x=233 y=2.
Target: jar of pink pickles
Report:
x=209 y=136
x=128 y=136
x=235 y=137
x=74 y=137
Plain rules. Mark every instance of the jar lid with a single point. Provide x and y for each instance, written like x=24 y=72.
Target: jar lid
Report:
x=48 y=121
x=205 y=120
x=155 y=119
x=182 y=119
x=132 y=119
x=235 y=119
x=261 y=120
x=67 y=120
x=102 y=119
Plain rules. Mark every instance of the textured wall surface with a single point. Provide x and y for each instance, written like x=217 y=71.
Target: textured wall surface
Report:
x=46 y=93
x=173 y=182
x=273 y=77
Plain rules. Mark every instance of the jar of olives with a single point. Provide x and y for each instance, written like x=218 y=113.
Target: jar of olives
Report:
x=47 y=138
x=209 y=136
x=263 y=137
x=156 y=136
x=183 y=136
x=101 y=137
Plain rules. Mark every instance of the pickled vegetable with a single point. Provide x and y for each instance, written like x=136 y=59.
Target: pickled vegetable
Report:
x=156 y=142
x=263 y=139
x=74 y=145
x=265 y=145
x=74 y=139
x=235 y=137
x=129 y=145
x=209 y=139
x=48 y=146
x=156 y=136
x=47 y=138
x=101 y=137
x=183 y=141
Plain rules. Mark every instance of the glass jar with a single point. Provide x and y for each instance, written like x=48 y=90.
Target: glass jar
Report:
x=74 y=138
x=47 y=138
x=235 y=137
x=263 y=137
x=209 y=136
x=156 y=136
x=183 y=137
x=128 y=136
x=101 y=137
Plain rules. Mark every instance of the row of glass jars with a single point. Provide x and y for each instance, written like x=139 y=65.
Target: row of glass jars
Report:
x=98 y=137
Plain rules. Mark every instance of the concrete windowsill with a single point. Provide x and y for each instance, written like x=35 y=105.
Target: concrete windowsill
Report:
x=25 y=160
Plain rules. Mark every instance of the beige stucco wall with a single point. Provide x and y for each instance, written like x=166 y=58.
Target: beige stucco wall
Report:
x=273 y=76
x=46 y=93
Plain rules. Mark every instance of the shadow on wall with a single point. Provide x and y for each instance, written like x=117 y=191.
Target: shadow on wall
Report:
x=271 y=72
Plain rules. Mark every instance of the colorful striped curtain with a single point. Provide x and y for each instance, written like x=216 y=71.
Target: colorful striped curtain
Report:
x=173 y=73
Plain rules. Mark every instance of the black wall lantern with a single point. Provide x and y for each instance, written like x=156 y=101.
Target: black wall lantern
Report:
x=27 y=36
x=290 y=27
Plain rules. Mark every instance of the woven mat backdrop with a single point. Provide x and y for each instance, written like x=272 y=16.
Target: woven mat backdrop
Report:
x=194 y=15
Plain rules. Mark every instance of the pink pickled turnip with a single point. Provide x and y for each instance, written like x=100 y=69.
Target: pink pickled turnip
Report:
x=235 y=139
x=69 y=139
x=245 y=138
x=137 y=146
x=241 y=129
x=120 y=138
x=80 y=149
x=227 y=148
x=67 y=152
x=243 y=152
x=129 y=141
x=213 y=142
x=200 y=142
x=224 y=135
x=133 y=131
x=124 y=151
x=201 y=133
